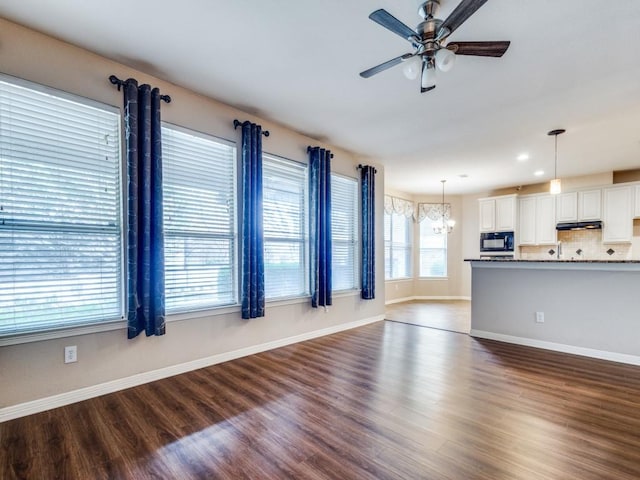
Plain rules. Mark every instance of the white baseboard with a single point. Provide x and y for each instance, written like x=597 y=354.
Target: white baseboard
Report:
x=55 y=401
x=435 y=297
x=398 y=300
x=559 y=347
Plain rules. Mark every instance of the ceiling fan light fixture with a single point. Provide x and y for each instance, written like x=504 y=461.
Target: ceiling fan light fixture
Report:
x=445 y=59
x=428 y=74
x=411 y=68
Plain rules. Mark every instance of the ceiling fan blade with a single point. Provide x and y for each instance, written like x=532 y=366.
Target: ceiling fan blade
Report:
x=460 y=14
x=422 y=89
x=481 y=49
x=388 y=64
x=388 y=21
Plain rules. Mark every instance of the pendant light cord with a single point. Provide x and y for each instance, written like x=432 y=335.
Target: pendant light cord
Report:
x=555 y=168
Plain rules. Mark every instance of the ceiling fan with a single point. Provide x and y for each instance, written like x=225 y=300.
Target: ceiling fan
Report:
x=428 y=40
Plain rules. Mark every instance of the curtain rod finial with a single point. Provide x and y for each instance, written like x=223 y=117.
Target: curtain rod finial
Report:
x=116 y=81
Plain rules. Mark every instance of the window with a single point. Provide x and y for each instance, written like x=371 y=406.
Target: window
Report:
x=397 y=246
x=433 y=251
x=286 y=236
x=199 y=178
x=60 y=210
x=344 y=232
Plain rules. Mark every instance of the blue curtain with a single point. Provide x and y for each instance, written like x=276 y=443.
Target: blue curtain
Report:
x=368 y=219
x=320 y=218
x=252 y=291
x=145 y=247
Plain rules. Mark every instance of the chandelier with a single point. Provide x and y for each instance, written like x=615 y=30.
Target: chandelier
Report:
x=444 y=224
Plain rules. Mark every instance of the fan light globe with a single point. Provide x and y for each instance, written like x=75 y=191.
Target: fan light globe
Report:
x=411 y=68
x=428 y=76
x=445 y=59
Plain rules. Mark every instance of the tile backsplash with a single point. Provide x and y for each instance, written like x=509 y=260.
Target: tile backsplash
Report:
x=579 y=245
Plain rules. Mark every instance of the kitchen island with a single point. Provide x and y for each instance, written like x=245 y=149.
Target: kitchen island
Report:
x=585 y=307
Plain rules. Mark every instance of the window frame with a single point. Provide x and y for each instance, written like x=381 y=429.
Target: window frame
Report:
x=187 y=311
x=390 y=246
x=111 y=322
x=304 y=239
x=355 y=242
x=428 y=224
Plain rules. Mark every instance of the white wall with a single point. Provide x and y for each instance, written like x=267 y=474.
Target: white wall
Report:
x=35 y=370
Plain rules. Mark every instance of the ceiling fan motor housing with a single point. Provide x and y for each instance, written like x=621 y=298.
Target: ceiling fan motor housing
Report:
x=428 y=9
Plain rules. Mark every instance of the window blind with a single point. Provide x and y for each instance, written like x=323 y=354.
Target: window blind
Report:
x=433 y=251
x=199 y=186
x=344 y=232
x=397 y=246
x=60 y=210
x=285 y=228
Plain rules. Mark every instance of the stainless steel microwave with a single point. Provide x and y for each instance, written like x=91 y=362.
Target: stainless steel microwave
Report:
x=496 y=242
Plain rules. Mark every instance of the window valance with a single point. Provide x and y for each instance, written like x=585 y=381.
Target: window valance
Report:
x=398 y=206
x=433 y=211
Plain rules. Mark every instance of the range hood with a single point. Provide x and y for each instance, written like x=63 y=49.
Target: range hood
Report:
x=593 y=225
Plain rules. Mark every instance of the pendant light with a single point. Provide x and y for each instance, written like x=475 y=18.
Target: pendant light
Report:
x=556 y=186
x=443 y=225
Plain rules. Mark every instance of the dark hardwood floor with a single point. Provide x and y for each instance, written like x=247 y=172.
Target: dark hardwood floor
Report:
x=453 y=315
x=385 y=401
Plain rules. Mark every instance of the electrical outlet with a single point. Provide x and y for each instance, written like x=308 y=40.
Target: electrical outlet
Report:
x=70 y=354
x=539 y=317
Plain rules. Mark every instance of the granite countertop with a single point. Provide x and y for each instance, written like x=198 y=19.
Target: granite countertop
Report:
x=551 y=260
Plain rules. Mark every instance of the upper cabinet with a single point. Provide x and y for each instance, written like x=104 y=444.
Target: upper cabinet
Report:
x=537 y=220
x=487 y=215
x=590 y=205
x=498 y=214
x=636 y=209
x=579 y=206
x=617 y=215
x=567 y=207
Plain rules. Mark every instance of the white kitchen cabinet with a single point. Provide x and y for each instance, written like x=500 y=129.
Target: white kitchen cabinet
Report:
x=579 y=206
x=589 y=205
x=527 y=216
x=498 y=214
x=546 y=220
x=506 y=213
x=636 y=209
x=487 y=215
x=617 y=215
x=567 y=207
x=537 y=220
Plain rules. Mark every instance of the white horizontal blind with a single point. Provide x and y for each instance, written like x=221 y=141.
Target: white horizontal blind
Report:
x=286 y=236
x=60 y=210
x=397 y=246
x=433 y=251
x=344 y=232
x=199 y=179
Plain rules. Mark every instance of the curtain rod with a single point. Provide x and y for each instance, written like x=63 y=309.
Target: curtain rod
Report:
x=309 y=148
x=119 y=83
x=237 y=123
x=360 y=166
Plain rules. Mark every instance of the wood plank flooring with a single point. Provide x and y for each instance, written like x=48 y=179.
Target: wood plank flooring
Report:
x=385 y=401
x=453 y=315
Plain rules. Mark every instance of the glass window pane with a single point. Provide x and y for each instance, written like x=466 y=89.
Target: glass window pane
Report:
x=433 y=251
x=60 y=209
x=199 y=178
x=285 y=228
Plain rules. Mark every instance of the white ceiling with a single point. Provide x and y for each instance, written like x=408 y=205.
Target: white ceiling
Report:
x=572 y=64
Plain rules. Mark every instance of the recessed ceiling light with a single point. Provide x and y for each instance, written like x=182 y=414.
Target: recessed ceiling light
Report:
x=523 y=157
x=538 y=173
